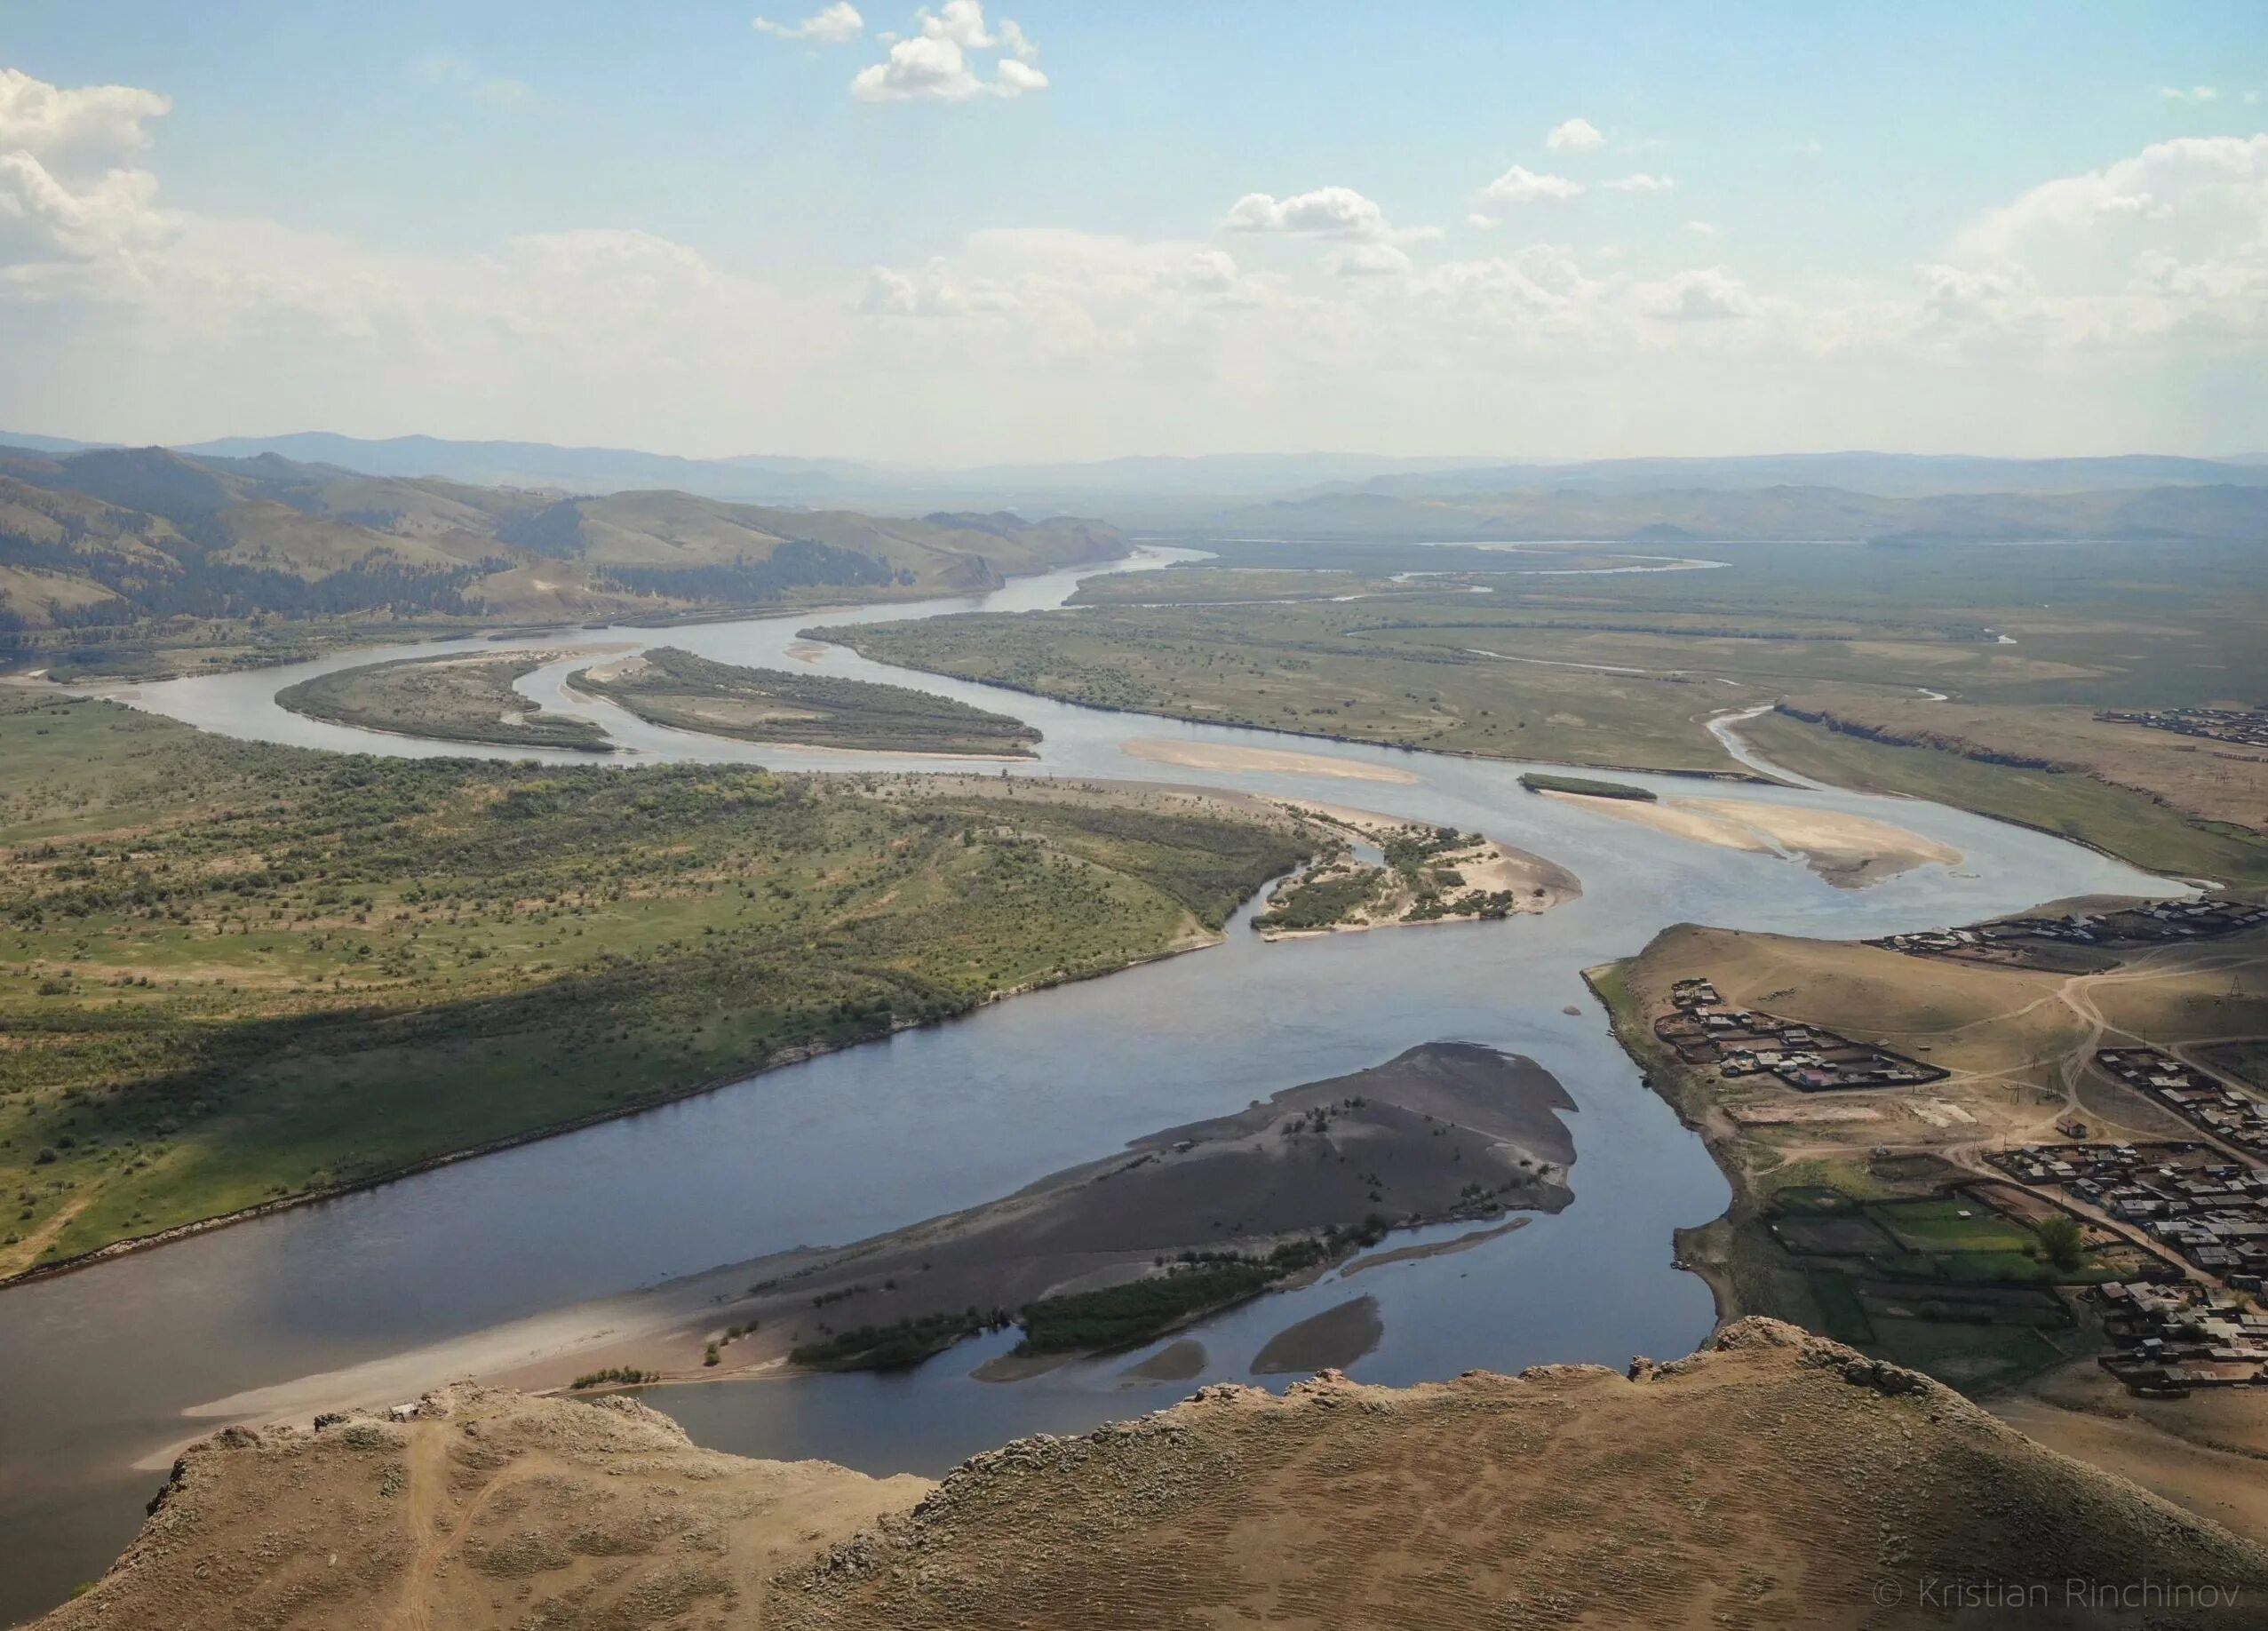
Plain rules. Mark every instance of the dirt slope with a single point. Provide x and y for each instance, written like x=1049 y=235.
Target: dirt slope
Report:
x=1773 y=1480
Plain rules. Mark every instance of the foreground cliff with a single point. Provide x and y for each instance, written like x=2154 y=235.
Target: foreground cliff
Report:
x=1774 y=1479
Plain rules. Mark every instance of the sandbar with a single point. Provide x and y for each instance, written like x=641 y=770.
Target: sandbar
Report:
x=1332 y=1340
x=1850 y=851
x=1222 y=756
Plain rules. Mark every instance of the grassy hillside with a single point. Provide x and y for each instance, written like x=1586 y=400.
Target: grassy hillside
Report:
x=233 y=974
x=141 y=561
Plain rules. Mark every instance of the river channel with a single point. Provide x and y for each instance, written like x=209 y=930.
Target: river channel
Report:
x=99 y=1368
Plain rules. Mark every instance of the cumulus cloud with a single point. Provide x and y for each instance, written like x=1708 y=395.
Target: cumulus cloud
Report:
x=1575 y=136
x=935 y=63
x=1707 y=229
x=2195 y=93
x=1327 y=212
x=63 y=197
x=834 y=25
x=2174 y=239
x=1640 y=182
x=51 y=124
x=1515 y=186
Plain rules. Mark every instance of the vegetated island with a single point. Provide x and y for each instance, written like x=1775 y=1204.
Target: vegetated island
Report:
x=668 y=686
x=1425 y=874
x=1544 y=780
x=482 y=1509
x=238 y=976
x=462 y=697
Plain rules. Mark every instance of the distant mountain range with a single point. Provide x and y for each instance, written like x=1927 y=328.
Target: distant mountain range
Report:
x=1178 y=492
x=2219 y=514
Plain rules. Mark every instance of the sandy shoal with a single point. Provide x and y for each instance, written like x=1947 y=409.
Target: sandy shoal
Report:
x=1844 y=848
x=1220 y=756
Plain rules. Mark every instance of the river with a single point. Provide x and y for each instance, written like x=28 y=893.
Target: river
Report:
x=98 y=1368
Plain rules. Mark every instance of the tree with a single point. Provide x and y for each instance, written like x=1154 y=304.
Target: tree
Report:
x=2061 y=1240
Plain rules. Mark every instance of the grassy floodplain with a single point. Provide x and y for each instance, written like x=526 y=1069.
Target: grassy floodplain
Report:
x=1335 y=671
x=233 y=974
x=457 y=697
x=674 y=687
x=1991 y=659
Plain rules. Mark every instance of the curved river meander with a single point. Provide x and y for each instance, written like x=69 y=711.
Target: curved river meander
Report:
x=98 y=1367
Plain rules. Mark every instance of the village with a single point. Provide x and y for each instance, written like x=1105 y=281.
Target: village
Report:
x=2245 y=727
x=2008 y=941
x=2237 y=1119
x=2174 y=1332
x=2173 y=1251
x=1746 y=1042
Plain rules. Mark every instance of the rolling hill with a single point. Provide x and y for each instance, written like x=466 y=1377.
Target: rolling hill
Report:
x=116 y=539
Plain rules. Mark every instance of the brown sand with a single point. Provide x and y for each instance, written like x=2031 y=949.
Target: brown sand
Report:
x=1214 y=756
x=1848 y=850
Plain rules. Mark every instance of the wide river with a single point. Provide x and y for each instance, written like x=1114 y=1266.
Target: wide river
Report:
x=100 y=1369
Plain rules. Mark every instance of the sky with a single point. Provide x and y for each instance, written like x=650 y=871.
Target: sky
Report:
x=1035 y=231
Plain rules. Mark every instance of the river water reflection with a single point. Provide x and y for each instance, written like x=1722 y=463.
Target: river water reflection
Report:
x=97 y=1367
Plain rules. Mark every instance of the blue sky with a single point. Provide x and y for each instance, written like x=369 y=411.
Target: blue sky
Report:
x=655 y=223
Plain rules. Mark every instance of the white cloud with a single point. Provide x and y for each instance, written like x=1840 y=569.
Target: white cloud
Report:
x=961 y=21
x=1707 y=229
x=1327 y=212
x=1640 y=182
x=2089 y=311
x=1575 y=136
x=62 y=198
x=2195 y=93
x=1705 y=294
x=1367 y=260
x=1515 y=186
x=935 y=65
x=834 y=25
x=49 y=123
x=451 y=72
